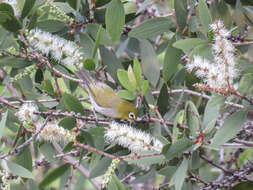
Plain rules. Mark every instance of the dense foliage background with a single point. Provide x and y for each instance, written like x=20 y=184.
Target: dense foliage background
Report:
x=149 y=51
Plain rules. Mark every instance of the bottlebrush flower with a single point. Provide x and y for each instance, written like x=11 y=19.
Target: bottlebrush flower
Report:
x=60 y=49
x=131 y=138
x=53 y=132
x=25 y=112
x=221 y=73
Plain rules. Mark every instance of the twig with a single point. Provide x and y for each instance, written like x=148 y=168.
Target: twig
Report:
x=4 y=101
x=128 y=176
x=164 y=124
x=41 y=101
x=191 y=92
x=80 y=168
x=33 y=137
x=246 y=143
x=215 y=165
x=234 y=92
x=137 y=156
x=88 y=119
x=67 y=153
x=242 y=43
x=61 y=74
x=197 y=178
x=68 y=183
x=94 y=150
x=92 y=120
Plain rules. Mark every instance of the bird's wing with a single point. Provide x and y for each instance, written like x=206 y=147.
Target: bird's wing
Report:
x=105 y=95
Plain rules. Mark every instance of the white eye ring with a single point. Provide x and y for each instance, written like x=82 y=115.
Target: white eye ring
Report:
x=131 y=115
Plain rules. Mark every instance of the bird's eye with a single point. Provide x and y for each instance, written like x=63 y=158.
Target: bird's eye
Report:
x=131 y=115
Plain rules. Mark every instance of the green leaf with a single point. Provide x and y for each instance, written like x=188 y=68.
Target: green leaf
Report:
x=146 y=161
x=179 y=119
x=4 y=17
x=67 y=123
x=111 y=62
x=26 y=83
x=53 y=175
x=6 y=9
x=32 y=185
x=131 y=77
x=100 y=3
x=188 y=43
x=89 y=64
x=104 y=38
x=171 y=61
x=39 y=76
x=73 y=3
x=245 y=83
x=27 y=7
x=220 y=10
x=179 y=176
x=115 y=184
x=192 y=118
x=163 y=100
x=144 y=87
x=149 y=61
x=210 y=126
x=124 y=81
x=3 y=123
x=137 y=72
x=212 y=109
x=94 y=51
x=49 y=152
x=181 y=13
x=72 y=103
x=229 y=129
x=48 y=87
x=101 y=167
x=8 y=20
x=33 y=20
x=7 y=40
x=87 y=44
x=245 y=156
x=24 y=158
x=14 y=62
x=51 y=25
x=203 y=50
x=150 y=28
x=68 y=147
x=177 y=148
x=88 y=138
x=19 y=170
x=247 y=185
x=168 y=171
x=125 y=94
x=115 y=20
x=204 y=15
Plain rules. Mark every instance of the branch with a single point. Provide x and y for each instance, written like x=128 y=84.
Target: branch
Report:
x=4 y=101
x=246 y=143
x=33 y=137
x=80 y=168
x=242 y=43
x=137 y=156
x=215 y=165
x=41 y=101
x=191 y=92
x=164 y=124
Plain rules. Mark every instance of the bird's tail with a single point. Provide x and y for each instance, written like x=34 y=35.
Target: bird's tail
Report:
x=85 y=76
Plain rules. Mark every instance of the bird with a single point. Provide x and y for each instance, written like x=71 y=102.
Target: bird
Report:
x=105 y=100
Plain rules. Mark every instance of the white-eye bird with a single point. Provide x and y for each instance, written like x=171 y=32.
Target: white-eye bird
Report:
x=105 y=101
